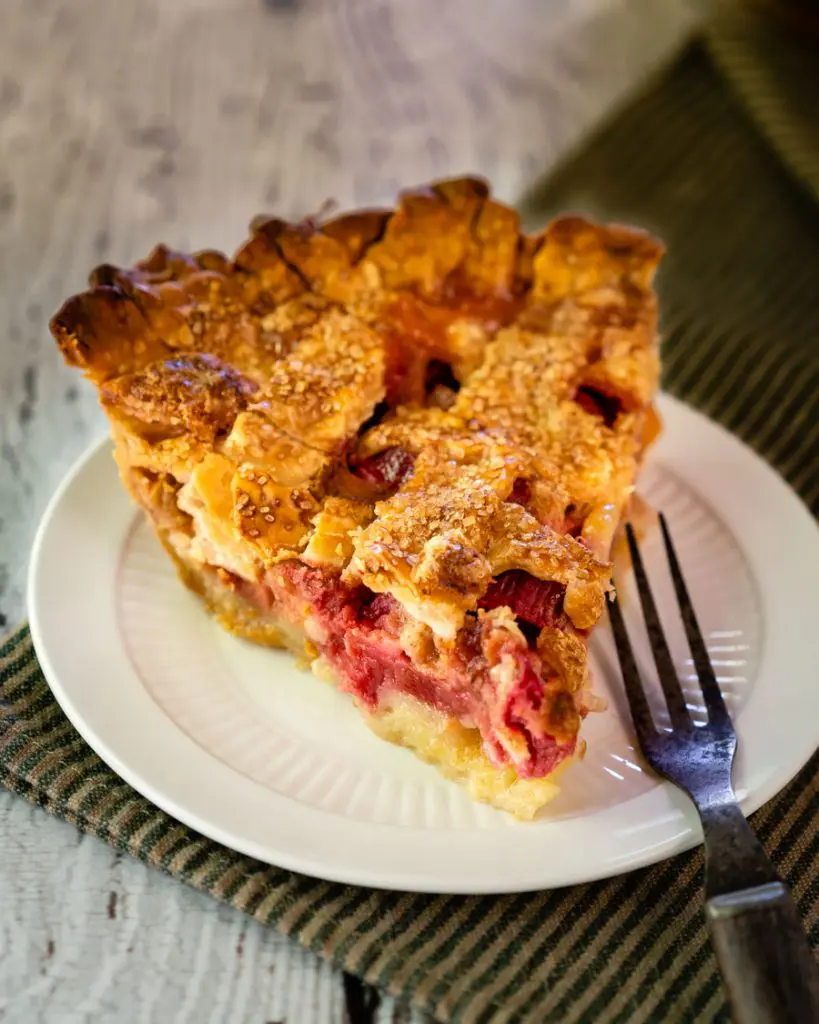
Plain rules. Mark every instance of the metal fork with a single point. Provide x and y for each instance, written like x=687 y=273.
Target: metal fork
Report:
x=766 y=962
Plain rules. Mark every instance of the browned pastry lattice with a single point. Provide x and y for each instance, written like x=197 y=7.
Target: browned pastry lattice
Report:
x=419 y=401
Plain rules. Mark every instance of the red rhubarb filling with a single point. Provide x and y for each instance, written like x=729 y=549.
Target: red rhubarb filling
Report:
x=386 y=470
x=492 y=679
x=537 y=602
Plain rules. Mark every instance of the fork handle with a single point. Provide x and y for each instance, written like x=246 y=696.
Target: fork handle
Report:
x=767 y=966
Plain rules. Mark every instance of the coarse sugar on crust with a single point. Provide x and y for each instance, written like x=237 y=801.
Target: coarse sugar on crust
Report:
x=398 y=426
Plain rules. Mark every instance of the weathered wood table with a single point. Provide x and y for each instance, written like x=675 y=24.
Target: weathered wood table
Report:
x=125 y=123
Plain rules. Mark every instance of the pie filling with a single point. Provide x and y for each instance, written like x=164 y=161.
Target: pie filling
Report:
x=490 y=679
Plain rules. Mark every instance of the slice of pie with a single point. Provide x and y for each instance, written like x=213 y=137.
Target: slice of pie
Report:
x=398 y=443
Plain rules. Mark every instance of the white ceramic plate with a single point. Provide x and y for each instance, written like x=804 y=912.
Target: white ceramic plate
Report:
x=240 y=744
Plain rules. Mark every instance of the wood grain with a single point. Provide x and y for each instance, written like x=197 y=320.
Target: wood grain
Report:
x=126 y=123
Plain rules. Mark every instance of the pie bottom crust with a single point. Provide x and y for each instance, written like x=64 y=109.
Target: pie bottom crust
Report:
x=437 y=738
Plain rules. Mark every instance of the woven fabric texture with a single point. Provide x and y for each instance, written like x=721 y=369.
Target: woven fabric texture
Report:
x=688 y=160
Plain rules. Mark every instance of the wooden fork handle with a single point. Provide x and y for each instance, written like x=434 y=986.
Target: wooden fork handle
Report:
x=769 y=971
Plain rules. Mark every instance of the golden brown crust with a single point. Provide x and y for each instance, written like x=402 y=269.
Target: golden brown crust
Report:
x=513 y=376
x=194 y=395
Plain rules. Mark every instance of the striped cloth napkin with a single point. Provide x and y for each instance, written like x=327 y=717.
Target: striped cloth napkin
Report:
x=720 y=157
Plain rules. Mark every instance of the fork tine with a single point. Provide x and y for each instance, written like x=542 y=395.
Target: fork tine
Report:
x=674 y=698
x=638 y=705
x=717 y=711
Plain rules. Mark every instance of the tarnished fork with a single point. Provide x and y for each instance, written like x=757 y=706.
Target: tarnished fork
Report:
x=766 y=962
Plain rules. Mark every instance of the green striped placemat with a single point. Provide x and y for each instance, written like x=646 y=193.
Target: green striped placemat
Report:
x=741 y=322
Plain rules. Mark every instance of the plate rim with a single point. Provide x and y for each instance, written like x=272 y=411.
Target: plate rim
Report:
x=342 y=862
